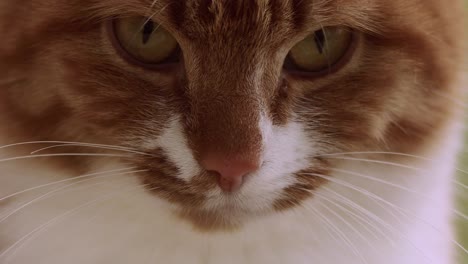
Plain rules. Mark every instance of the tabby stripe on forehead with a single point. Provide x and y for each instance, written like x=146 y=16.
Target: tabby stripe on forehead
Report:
x=177 y=10
x=206 y=11
x=242 y=8
x=300 y=10
x=275 y=7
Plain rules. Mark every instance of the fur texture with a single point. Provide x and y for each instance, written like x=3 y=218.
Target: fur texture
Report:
x=356 y=165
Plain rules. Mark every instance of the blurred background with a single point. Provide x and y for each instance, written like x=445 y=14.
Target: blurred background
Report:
x=462 y=194
x=463 y=198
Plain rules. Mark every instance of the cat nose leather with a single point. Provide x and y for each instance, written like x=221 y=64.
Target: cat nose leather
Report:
x=231 y=171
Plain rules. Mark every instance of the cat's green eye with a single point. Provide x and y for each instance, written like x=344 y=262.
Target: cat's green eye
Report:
x=320 y=51
x=144 y=40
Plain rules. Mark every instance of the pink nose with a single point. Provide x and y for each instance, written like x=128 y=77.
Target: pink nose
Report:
x=231 y=171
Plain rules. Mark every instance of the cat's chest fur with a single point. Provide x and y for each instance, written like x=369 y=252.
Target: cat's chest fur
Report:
x=350 y=220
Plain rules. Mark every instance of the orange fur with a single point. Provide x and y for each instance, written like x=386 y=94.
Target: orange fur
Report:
x=61 y=79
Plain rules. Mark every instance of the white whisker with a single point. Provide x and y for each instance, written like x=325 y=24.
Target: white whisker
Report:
x=398 y=186
x=359 y=219
x=400 y=166
x=381 y=221
x=397 y=208
x=64 y=155
x=374 y=152
x=31 y=235
x=363 y=259
x=346 y=222
x=381 y=162
x=372 y=222
x=91 y=146
x=51 y=193
x=59 y=142
x=65 y=180
x=340 y=233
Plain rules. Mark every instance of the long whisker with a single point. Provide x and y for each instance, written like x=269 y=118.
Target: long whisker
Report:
x=398 y=208
x=400 y=166
x=60 y=142
x=51 y=193
x=397 y=186
x=91 y=146
x=331 y=228
x=380 y=162
x=345 y=222
x=64 y=155
x=378 y=220
x=65 y=180
x=365 y=212
x=374 y=152
x=340 y=233
x=381 y=181
x=80 y=187
x=23 y=240
x=361 y=220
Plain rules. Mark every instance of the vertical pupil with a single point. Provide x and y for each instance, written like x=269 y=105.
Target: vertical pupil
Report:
x=319 y=37
x=147 y=31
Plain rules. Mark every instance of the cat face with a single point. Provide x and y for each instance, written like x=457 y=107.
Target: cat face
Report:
x=238 y=102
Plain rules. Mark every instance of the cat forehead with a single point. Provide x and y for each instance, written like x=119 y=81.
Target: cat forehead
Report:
x=256 y=16
x=213 y=16
x=252 y=10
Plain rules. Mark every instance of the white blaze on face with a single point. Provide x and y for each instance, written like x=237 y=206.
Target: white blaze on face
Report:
x=286 y=150
x=175 y=145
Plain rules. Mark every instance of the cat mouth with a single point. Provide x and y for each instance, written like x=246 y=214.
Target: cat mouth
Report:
x=192 y=198
x=201 y=201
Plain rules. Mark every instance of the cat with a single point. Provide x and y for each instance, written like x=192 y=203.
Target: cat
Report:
x=219 y=131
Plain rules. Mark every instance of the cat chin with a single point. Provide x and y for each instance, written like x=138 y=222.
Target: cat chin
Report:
x=222 y=220
x=210 y=209
x=218 y=213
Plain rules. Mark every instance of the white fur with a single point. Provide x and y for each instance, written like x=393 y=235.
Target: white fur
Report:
x=175 y=146
x=131 y=226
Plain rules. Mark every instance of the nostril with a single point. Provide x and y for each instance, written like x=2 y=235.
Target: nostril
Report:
x=231 y=171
